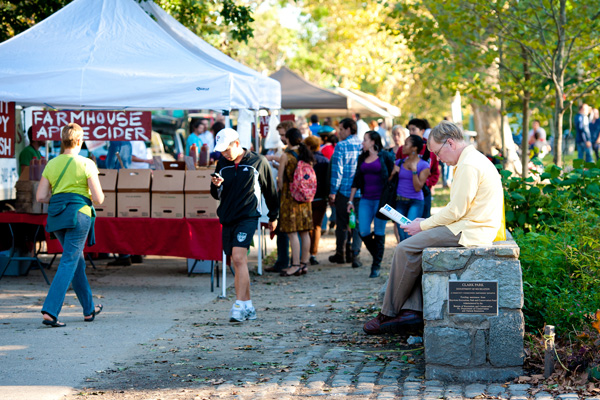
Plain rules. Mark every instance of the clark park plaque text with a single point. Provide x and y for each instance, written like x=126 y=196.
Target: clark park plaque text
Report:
x=473 y=297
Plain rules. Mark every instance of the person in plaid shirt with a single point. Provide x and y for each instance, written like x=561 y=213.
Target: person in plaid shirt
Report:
x=343 y=167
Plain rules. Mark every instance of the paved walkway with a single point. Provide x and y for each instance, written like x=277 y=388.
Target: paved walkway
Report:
x=165 y=336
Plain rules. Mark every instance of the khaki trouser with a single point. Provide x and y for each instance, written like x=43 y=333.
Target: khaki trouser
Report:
x=404 y=285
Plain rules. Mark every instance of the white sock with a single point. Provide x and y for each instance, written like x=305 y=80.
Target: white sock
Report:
x=239 y=303
x=247 y=304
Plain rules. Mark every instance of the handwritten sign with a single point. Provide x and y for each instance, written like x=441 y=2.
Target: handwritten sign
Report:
x=264 y=123
x=473 y=297
x=7 y=129
x=97 y=125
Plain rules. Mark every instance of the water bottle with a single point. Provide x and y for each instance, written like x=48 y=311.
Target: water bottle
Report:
x=352 y=220
x=414 y=340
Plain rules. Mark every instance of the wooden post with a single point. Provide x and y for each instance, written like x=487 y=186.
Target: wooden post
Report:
x=550 y=352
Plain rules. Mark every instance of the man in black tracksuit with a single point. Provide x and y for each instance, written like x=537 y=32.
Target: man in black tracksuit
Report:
x=243 y=178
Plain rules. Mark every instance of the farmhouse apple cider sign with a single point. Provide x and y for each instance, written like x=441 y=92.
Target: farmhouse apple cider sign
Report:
x=7 y=129
x=97 y=125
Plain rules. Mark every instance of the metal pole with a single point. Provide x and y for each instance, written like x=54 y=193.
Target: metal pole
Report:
x=224 y=276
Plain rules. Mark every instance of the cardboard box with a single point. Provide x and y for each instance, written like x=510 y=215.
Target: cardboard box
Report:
x=108 y=182
x=133 y=204
x=108 y=179
x=133 y=193
x=167 y=194
x=200 y=205
x=109 y=207
x=198 y=180
x=134 y=180
x=26 y=198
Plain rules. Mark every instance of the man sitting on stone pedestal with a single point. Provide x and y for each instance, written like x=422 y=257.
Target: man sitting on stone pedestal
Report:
x=473 y=217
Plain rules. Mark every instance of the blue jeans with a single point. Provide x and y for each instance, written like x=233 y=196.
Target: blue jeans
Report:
x=411 y=209
x=584 y=152
x=71 y=269
x=366 y=214
x=124 y=149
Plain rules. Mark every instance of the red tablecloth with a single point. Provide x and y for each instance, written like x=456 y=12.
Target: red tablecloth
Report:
x=189 y=238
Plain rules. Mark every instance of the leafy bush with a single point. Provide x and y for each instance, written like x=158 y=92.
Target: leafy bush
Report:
x=555 y=219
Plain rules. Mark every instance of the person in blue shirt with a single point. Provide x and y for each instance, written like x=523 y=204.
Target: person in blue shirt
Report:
x=343 y=167
x=314 y=125
x=194 y=136
x=583 y=137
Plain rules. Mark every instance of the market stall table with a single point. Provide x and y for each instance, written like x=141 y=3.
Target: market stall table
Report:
x=189 y=238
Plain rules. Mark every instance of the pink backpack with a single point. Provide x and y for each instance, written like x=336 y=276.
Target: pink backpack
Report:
x=304 y=184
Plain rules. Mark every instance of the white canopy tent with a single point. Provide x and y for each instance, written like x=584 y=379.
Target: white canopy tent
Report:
x=269 y=89
x=112 y=54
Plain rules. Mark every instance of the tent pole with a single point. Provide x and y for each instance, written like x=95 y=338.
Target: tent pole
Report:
x=257 y=148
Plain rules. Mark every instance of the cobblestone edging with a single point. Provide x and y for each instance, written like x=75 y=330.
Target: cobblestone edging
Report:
x=468 y=348
x=360 y=379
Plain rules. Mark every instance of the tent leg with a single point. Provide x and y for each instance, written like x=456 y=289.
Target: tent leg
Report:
x=224 y=277
x=259 y=248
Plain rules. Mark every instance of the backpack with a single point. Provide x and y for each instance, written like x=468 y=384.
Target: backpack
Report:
x=304 y=184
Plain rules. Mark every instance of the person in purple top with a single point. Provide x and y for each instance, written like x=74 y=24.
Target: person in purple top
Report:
x=412 y=171
x=374 y=167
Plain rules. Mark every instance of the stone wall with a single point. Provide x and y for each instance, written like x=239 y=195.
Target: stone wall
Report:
x=465 y=347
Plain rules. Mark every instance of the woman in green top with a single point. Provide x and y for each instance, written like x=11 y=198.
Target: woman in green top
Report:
x=70 y=184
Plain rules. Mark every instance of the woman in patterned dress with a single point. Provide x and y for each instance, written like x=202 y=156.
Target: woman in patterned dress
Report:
x=295 y=218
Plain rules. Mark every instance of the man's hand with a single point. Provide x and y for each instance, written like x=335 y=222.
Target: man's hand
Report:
x=588 y=144
x=350 y=207
x=414 y=227
x=217 y=180
x=272 y=225
x=332 y=199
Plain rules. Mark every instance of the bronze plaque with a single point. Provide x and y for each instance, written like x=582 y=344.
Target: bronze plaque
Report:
x=473 y=297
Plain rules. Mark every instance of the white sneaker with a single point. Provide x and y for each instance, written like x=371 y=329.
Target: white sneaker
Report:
x=250 y=313
x=237 y=313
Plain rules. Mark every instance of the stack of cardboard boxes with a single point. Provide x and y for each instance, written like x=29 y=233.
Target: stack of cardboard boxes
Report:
x=26 y=195
x=167 y=194
x=108 y=182
x=143 y=193
x=198 y=201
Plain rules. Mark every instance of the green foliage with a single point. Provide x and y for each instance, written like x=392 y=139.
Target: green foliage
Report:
x=556 y=222
x=213 y=17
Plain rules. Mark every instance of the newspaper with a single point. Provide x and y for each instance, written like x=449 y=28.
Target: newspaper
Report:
x=394 y=215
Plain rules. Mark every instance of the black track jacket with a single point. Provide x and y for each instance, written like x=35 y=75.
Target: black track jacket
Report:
x=240 y=193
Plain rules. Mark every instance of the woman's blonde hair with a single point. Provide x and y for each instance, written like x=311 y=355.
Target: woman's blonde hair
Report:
x=70 y=135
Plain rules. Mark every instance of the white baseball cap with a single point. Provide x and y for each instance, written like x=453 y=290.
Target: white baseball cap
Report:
x=225 y=137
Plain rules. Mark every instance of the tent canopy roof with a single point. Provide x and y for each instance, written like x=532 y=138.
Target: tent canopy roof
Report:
x=298 y=93
x=112 y=54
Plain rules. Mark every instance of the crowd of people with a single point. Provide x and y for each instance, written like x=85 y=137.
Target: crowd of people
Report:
x=587 y=132
x=354 y=178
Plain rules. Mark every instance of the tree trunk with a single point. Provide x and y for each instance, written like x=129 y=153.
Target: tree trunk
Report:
x=525 y=142
x=558 y=72
x=487 y=125
x=526 y=99
x=559 y=111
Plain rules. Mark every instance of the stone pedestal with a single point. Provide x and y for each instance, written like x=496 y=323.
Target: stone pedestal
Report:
x=465 y=347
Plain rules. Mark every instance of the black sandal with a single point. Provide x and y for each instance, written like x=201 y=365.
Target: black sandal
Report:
x=53 y=323
x=94 y=313
x=303 y=269
x=296 y=272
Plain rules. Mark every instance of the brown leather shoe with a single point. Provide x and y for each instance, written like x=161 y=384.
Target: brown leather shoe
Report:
x=373 y=327
x=407 y=321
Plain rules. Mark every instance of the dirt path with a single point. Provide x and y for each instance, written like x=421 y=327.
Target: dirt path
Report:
x=307 y=340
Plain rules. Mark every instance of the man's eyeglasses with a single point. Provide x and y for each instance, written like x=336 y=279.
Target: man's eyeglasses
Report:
x=437 y=153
